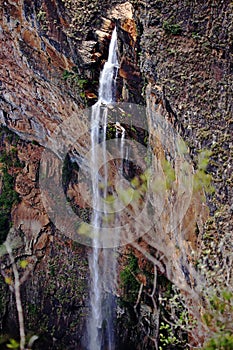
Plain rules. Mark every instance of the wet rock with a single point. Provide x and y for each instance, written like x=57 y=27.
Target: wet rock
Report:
x=86 y=52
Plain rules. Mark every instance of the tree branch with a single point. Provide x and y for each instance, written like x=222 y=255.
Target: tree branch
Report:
x=17 y=296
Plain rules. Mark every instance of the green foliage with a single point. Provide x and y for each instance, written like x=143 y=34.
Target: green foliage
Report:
x=34 y=142
x=196 y=36
x=222 y=341
x=42 y=19
x=75 y=78
x=128 y=280
x=111 y=131
x=32 y=309
x=76 y=82
x=203 y=159
x=220 y=311
x=169 y=173
x=203 y=180
x=67 y=74
x=81 y=83
x=175 y=321
x=23 y=264
x=41 y=15
x=167 y=336
x=10 y=159
x=10 y=136
x=219 y=320
x=13 y=344
x=8 y=198
x=172 y=28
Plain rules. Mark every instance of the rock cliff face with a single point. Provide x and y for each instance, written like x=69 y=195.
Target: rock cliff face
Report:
x=187 y=54
x=176 y=56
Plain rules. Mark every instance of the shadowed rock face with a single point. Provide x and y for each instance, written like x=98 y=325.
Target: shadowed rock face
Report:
x=182 y=51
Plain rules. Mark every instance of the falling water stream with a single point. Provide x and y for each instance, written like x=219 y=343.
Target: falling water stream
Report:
x=102 y=261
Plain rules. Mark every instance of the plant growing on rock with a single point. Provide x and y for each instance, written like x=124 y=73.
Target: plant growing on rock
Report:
x=172 y=28
x=9 y=162
x=14 y=281
x=128 y=280
x=76 y=83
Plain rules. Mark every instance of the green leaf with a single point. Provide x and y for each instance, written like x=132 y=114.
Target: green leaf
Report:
x=13 y=344
x=227 y=295
x=169 y=173
x=203 y=159
x=23 y=264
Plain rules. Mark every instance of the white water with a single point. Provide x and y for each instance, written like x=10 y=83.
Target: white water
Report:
x=102 y=261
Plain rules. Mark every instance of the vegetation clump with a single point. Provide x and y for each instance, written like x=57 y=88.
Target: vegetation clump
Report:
x=129 y=283
x=172 y=28
x=8 y=196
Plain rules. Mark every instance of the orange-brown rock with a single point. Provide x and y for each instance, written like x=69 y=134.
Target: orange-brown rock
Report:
x=129 y=26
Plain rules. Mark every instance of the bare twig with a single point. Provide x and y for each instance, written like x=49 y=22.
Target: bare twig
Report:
x=139 y=295
x=148 y=256
x=155 y=283
x=17 y=296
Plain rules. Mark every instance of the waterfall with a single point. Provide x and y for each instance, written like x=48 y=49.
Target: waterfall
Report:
x=102 y=261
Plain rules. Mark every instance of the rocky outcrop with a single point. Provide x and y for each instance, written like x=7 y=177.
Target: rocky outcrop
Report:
x=188 y=56
x=29 y=105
